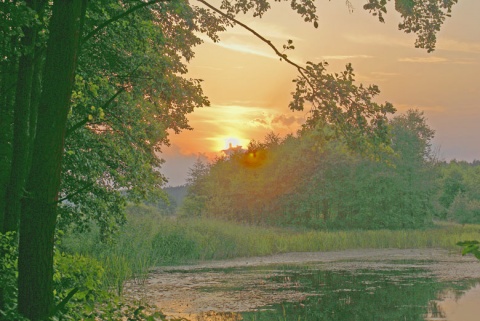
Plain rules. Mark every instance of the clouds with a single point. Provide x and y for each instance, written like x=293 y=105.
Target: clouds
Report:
x=426 y=108
x=459 y=46
x=242 y=41
x=260 y=122
x=428 y=60
x=287 y=121
x=266 y=29
x=437 y=59
x=443 y=44
x=243 y=47
x=214 y=125
x=378 y=39
x=276 y=121
x=345 y=57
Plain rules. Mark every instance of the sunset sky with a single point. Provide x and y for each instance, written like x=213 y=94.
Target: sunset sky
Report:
x=249 y=88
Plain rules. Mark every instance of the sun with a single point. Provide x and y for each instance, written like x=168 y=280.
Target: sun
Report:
x=225 y=142
x=231 y=142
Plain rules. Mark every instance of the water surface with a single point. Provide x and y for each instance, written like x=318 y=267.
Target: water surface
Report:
x=403 y=293
x=363 y=285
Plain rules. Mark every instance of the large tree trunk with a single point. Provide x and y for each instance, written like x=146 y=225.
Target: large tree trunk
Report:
x=8 y=79
x=38 y=217
x=21 y=126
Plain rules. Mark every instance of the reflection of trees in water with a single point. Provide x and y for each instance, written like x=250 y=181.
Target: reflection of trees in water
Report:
x=406 y=294
x=435 y=311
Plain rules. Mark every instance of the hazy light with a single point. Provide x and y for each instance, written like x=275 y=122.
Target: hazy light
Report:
x=231 y=142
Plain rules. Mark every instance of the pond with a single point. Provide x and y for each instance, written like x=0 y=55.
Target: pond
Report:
x=411 y=288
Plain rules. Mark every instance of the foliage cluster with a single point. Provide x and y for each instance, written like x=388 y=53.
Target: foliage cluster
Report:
x=423 y=18
x=314 y=180
x=458 y=196
x=8 y=276
x=470 y=247
x=80 y=289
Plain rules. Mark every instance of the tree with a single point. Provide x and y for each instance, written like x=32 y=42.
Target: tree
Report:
x=458 y=196
x=194 y=204
x=453 y=184
x=124 y=102
x=38 y=215
x=42 y=45
x=314 y=180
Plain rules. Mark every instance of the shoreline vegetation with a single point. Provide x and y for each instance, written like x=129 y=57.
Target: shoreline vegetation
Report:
x=149 y=240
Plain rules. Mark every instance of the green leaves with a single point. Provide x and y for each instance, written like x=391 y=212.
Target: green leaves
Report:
x=130 y=91
x=470 y=247
x=289 y=45
x=424 y=18
x=349 y=108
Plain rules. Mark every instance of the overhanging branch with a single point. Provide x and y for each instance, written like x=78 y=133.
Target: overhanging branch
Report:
x=300 y=69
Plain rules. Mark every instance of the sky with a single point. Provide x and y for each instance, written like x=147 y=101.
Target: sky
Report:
x=249 y=87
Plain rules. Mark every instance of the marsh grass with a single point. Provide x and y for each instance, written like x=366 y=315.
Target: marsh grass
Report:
x=150 y=240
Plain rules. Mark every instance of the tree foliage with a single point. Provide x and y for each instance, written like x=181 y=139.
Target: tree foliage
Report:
x=349 y=109
x=458 y=199
x=424 y=18
x=125 y=100
x=314 y=179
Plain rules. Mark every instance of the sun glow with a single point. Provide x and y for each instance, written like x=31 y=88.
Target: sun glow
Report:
x=231 y=142
x=221 y=143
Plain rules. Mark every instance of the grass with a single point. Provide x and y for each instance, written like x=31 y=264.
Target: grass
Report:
x=150 y=240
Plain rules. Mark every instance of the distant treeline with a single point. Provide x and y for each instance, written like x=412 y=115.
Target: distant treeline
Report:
x=173 y=199
x=314 y=180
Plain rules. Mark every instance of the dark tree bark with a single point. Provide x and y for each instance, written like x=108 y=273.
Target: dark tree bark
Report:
x=8 y=79
x=21 y=126
x=7 y=92
x=38 y=215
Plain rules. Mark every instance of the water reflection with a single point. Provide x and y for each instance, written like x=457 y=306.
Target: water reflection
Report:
x=455 y=307
x=407 y=294
x=343 y=291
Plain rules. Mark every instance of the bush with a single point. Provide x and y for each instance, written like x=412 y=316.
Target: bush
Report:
x=464 y=210
x=79 y=289
x=8 y=277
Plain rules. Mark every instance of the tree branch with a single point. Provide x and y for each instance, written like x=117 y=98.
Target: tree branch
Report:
x=78 y=191
x=64 y=302
x=85 y=120
x=300 y=69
